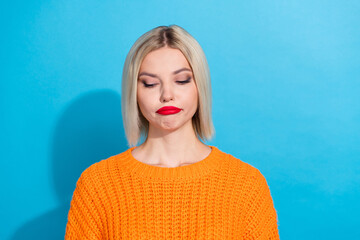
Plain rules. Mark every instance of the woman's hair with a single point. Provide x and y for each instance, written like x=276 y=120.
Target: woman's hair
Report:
x=173 y=36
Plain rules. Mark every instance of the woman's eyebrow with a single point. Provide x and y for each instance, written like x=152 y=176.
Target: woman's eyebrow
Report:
x=181 y=69
x=148 y=74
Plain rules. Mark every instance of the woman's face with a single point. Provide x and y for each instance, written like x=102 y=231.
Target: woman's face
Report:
x=166 y=79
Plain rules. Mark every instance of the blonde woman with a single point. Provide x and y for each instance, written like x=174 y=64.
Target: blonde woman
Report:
x=173 y=185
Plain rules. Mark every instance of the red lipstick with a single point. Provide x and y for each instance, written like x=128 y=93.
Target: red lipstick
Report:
x=168 y=110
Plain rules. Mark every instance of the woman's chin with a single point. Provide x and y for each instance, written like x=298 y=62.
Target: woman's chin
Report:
x=168 y=126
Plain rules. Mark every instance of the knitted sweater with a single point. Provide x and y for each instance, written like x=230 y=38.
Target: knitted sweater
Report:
x=219 y=197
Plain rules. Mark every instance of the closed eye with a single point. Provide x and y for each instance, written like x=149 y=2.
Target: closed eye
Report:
x=185 y=81
x=148 y=85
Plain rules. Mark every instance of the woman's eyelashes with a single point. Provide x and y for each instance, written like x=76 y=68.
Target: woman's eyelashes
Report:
x=185 y=81
x=148 y=85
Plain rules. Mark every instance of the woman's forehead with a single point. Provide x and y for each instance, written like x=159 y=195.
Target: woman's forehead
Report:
x=164 y=60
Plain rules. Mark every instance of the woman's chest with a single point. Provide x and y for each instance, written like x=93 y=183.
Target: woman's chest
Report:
x=201 y=209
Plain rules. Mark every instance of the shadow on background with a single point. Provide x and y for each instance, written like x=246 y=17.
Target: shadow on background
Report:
x=89 y=130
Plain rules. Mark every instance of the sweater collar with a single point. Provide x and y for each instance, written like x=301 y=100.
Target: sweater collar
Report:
x=200 y=168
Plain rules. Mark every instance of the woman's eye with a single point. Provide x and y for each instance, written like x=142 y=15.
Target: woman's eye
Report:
x=148 y=85
x=185 y=81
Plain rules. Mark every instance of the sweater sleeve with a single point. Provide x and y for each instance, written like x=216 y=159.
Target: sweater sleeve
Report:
x=84 y=221
x=261 y=217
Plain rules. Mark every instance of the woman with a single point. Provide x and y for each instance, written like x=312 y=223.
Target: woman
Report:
x=172 y=186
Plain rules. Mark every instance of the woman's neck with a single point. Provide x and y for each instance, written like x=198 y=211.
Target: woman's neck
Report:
x=172 y=148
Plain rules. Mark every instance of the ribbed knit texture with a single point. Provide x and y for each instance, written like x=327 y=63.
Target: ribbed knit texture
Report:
x=219 y=197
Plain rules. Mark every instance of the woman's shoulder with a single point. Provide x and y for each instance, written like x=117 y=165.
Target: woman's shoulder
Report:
x=243 y=169
x=103 y=167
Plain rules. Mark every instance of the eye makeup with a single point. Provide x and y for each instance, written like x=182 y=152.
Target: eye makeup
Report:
x=185 y=81
x=150 y=85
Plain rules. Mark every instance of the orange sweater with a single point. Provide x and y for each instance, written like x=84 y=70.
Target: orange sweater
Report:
x=219 y=197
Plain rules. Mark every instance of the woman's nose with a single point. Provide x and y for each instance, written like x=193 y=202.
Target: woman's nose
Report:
x=166 y=94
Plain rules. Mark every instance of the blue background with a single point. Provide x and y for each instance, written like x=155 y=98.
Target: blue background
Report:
x=286 y=84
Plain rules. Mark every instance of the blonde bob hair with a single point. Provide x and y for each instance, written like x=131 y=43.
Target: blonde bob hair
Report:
x=173 y=36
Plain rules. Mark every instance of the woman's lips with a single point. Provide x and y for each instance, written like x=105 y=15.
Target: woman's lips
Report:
x=168 y=110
